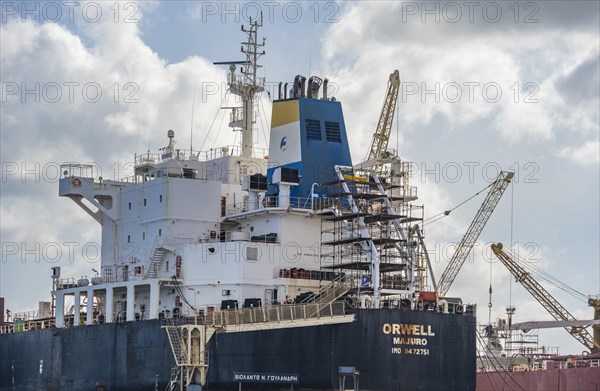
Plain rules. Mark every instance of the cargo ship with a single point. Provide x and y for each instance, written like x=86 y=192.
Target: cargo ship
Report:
x=237 y=268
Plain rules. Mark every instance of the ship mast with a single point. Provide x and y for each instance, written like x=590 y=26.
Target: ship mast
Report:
x=246 y=86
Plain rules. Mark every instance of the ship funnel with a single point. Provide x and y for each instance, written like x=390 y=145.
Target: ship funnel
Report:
x=307 y=135
x=298 y=89
x=285 y=91
x=325 y=82
x=314 y=83
x=302 y=84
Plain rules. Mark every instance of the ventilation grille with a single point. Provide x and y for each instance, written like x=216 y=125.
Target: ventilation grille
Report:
x=313 y=129
x=332 y=131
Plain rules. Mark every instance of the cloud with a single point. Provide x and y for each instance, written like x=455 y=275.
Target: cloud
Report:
x=581 y=84
x=96 y=103
x=488 y=66
x=587 y=154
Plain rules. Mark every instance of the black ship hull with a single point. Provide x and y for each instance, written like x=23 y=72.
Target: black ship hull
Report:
x=392 y=350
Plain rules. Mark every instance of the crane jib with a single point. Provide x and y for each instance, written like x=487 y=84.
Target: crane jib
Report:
x=552 y=305
x=472 y=234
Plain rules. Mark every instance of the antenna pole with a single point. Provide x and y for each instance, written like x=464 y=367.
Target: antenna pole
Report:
x=247 y=87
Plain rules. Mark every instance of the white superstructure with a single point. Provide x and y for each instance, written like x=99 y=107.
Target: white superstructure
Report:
x=182 y=233
x=193 y=232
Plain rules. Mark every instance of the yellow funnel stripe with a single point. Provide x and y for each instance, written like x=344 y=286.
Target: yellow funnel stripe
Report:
x=284 y=113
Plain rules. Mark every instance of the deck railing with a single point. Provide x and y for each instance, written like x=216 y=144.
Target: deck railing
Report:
x=252 y=315
x=236 y=317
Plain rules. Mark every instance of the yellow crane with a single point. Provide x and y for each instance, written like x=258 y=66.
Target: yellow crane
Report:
x=547 y=301
x=466 y=244
x=381 y=137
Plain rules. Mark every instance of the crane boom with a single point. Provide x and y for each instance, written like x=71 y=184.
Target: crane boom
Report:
x=548 y=324
x=384 y=126
x=551 y=305
x=467 y=242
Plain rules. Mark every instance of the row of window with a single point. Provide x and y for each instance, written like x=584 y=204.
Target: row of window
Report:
x=160 y=199
x=143 y=235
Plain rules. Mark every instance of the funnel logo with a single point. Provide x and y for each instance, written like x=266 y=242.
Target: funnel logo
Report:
x=283 y=144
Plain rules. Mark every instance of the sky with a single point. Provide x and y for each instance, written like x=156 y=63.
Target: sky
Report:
x=485 y=86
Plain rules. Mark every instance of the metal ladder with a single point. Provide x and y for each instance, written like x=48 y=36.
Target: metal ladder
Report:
x=329 y=293
x=187 y=364
x=173 y=384
x=175 y=340
x=155 y=261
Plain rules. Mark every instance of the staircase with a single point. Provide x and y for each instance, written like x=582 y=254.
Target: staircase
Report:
x=174 y=380
x=329 y=293
x=174 y=334
x=332 y=294
x=188 y=344
x=155 y=261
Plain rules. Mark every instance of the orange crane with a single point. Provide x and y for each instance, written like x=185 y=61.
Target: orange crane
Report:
x=551 y=305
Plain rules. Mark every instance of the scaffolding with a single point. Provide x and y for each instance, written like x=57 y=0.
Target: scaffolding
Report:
x=370 y=232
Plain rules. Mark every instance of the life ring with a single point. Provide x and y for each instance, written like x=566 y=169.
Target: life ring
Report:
x=76 y=182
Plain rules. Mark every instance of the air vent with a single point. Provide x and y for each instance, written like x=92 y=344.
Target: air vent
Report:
x=258 y=182
x=313 y=129
x=290 y=175
x=332 y=131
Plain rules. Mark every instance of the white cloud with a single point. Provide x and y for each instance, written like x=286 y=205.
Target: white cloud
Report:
x=523 y=120
x=463 y=55
x=587 y=154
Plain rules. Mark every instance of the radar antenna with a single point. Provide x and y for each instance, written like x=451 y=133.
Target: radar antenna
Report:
x=247 y=86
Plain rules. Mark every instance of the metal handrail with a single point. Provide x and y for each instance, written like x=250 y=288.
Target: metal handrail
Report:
x=235 y=317
x=306 y=203
x=330 y=288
